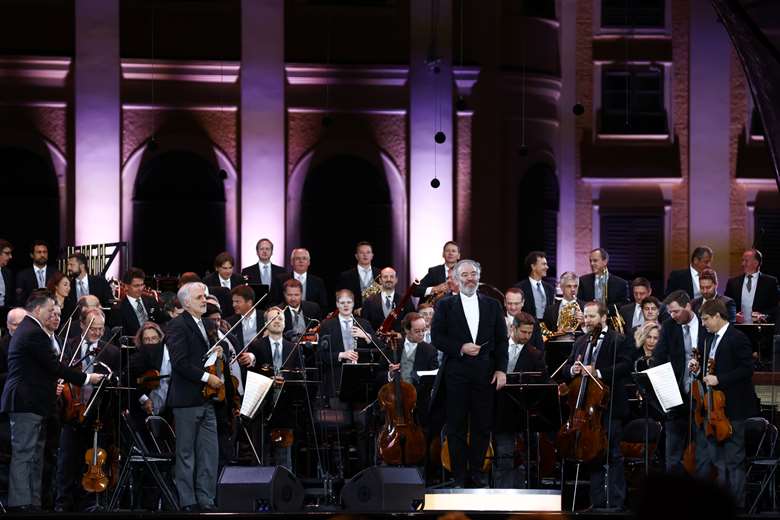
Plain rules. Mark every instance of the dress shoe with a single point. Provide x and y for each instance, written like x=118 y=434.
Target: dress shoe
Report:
x=209 y=508
x=192 y=508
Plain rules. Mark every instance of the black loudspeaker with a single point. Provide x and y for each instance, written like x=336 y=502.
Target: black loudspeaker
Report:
x=253 y=489
x=384 y=488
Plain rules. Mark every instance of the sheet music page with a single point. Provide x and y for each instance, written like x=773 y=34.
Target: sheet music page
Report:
x=433 y=372
x=665 y=386
x=255 y=390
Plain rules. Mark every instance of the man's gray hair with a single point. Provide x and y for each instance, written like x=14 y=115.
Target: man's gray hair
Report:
x=568 y=277
x=462 y=263
x=184 y=292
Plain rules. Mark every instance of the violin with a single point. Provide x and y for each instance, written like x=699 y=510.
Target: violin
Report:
x=695 y=416
x=150 y=380
x=95 y=479
x=217 y=369
x=583 y=437
x=712 y=409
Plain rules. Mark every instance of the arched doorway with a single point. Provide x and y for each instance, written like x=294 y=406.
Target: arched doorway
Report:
x=537 y=216
x=345 y=199
x=178 y=214
x=30 y=202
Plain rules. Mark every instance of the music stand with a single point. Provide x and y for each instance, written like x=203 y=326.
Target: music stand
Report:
x=542 y=399
x=645 y=388
x=356 y=378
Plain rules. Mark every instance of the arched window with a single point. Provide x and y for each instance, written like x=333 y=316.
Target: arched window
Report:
x=30 y=202
x=178 y=214
x=537 y=216
x=345 y=199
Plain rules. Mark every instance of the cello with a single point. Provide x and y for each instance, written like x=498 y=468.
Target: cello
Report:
x=401 y=441
x=582 y=437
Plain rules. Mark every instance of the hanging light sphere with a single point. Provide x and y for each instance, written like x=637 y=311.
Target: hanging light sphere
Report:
x=578 y=109
x=223 y=174
x=440 y=137
x=435 y=183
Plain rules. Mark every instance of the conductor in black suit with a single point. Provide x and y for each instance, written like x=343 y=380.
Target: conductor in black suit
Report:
x=538 y=293
x=733 y=374
x=609 y=359
x=7 y=291
x=377 y=307
x=361 y=276
x=197 y=456
x=264 y=272
x=470 y=329
x=37 y=276
x=29 y=397
x=84 y=283
x=600 y=284
x=754 y=293
x=688 y=279
x=435 y=280
x=313 y=287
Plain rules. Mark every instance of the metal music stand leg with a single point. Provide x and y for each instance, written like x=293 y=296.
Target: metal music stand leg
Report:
x=576 y=481
x=252 y=444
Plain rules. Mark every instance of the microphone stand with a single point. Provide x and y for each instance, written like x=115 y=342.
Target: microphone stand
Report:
x=609 y=419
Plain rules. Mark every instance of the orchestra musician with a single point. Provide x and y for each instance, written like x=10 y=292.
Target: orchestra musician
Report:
x=151 y=354
x=244 y=299
x=552 y=315
x=378 y=306
x=135 y=308
x=600 y=284
x=610 y=360
x=59 y=287
x=731 y=352
x=264 y=272
x=84 y=283
x=7 y=291
x=632 y=312
x=470 y=329
x=37 y=276
x=29 y=396
x=514 y=302
x=688 y=279
x=708 y=285
x=522 y=357
x=194 y=415
x=298 y=313
x=537 y=293
x=76 y=437
x=360 y=277
x=754 y=293
x=222 y=281
x=312 y=287
x=434 y=283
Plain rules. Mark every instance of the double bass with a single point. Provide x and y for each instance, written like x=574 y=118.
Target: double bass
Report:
x=401 y=441
x=583 y=436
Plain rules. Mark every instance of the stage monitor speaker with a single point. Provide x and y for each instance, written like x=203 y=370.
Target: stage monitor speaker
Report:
x=384 y=488
x=258 y=489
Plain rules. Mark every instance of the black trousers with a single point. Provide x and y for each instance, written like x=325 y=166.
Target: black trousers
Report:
x=469 y=409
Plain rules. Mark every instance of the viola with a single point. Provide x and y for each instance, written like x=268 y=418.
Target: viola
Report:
x=150 y=380
x=717 y=424
x=583 y=437
x=95 y=479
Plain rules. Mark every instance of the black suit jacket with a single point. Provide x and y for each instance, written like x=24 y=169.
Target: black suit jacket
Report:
x=10 y=289
x=529 y=304
x=622 y=358
x=26 y=282
x=373 y=310
x=109 y=355
x=436 y=275
x=335 y=342
x=187 y=347
x=731 y=307
x=223 y=293
x=123 y=315
x=315 y=290
x=310 y=310
x=264 y=354
x=734 y=370
x=551 y=314
x=212 y=280
x=5 y=342
x=530 y=360
x=617 y=290
x=765 y=299
x=671 y=348
x=426 y=357
x=351 y=280
x=98 y=286
x=449 y=330
x=33 y=371
x=680 y=279
x=252 y=274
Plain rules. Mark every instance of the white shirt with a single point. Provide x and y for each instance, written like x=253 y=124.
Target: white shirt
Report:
x=695 y=278
x=385 y=310
x=746 y=302
x=348 y=323
x=638 y=318
x=510 y=320
x=224 y=282
x=249 y=327
x=40 y=273
x=2 y=289
x=694 y=330
x=366 y=276
x=515 y=349
x=134 y=304
x=409 y=348
x=471 y=310
x=301 y=278
x=716 y=344
x=82 y=281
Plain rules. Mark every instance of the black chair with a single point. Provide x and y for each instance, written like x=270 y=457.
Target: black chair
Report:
x=761 y=447
x=156 y=457
x=635 y=434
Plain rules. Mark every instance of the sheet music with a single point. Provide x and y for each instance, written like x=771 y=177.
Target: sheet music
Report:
x=423 y=373
x=211 y=360
x=665 y=386
x=255 y=390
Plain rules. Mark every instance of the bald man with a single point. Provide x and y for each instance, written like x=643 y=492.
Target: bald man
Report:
x=377 y=307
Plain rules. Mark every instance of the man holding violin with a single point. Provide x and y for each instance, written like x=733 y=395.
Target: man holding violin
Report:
x=29 y=397
x=197 y=457
x=605 y=355
x=727 y=367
